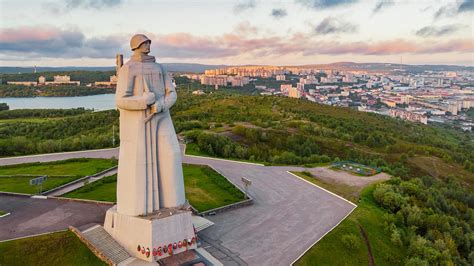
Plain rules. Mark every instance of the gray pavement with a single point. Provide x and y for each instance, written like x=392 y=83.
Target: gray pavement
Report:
x=103 y=153
x=288 y=215
x=35 y=216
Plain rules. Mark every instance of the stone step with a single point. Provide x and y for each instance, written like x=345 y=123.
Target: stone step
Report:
x=200 y=223
x=103 y=241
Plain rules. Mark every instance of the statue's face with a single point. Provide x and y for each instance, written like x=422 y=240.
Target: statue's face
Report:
x=144 y=47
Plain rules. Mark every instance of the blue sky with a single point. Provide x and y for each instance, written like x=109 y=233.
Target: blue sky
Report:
x=291 y=32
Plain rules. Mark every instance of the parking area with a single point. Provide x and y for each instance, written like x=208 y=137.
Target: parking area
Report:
x=35 y=216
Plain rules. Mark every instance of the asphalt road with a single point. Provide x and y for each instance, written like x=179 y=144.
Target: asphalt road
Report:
x=104 y=153
x=288 y=215
x=35 y=216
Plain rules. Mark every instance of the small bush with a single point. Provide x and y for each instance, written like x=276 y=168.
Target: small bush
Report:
x=350 y=241
x=307 y=173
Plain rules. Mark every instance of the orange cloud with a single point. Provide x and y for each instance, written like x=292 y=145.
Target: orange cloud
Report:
x=27 y=33
x=54 y=42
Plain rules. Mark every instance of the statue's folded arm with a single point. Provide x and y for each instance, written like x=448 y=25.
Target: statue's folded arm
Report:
x=124 y=94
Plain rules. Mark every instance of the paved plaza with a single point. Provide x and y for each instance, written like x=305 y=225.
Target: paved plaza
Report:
x=35 y=216
x=288 y=215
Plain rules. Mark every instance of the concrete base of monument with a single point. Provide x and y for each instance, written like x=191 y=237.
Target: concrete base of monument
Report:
x=154 y=236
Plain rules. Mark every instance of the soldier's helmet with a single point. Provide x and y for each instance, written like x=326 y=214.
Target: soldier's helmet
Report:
x=137 y=40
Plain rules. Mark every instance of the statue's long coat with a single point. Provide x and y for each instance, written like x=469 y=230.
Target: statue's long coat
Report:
x=150 y=174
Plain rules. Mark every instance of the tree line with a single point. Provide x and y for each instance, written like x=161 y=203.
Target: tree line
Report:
x=84 y=76
x=51 y=91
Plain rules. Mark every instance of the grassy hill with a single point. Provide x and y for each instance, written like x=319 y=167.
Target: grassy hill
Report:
x=278 y=130
x=426 y=212
x=268 y=129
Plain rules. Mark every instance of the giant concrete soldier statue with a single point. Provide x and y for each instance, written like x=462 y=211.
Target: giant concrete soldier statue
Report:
x=150 y=174
x=149 y=220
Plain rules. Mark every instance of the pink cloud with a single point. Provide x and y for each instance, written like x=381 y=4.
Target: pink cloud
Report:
x=243 y=42
x=27 y=33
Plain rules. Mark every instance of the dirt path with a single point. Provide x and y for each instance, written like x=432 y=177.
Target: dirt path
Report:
x=332 y=176
x=369 y=249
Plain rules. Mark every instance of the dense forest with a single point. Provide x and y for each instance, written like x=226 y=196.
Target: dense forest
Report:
x=46 y=131
x=51 y=91
x=428 y=204
x=432 y=218
x=269 y=128
x=276 y=130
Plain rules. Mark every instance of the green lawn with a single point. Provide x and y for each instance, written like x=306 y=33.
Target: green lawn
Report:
x=205 y=189
x=59 y=173
x=62 y=248
x=193 y=149
x=22 y=184
x=350 y=193
x=80 y=167
x=103 y=190
x=333 y=250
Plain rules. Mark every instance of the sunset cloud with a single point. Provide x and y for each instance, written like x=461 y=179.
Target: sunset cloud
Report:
x=321 y=4
x=381 y=5
x=97 y=4
x=47 y=41
x=430 y=31
x=244 y=5
x=69 y=5
x=453 y=9
x=63 y=43
x=278 y=13
x=331 y=25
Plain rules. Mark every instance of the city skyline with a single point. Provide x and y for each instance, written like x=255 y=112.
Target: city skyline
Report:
x=238 y=32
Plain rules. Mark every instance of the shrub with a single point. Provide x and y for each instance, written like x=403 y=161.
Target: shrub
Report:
x=350 y=241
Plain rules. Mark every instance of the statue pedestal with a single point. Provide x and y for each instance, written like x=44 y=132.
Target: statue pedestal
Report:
x=154 y=236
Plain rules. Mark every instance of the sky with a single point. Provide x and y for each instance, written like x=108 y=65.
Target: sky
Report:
x=237 y=32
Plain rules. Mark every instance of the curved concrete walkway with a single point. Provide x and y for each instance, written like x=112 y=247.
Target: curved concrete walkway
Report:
x=74 y=186
x=50 y=157
x=288 y=215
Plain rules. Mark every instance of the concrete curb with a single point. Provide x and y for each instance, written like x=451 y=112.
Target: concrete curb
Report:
x=218 y=159
x=226 y=160
x=246 y=202
x=56 y=198
x=332 y=228
x=57 y=153
x=83 y=200
x=5 y=215
x=302 y=254
x=236 y=205
x=24 y=195
x=350 y=202
x=79 y=180
x=22 y=237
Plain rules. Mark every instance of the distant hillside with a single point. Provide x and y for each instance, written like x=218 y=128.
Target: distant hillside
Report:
x=185 y=67
x=200 y=68
x=389 y=67
x=175 y=67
